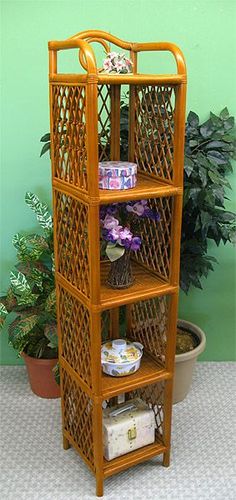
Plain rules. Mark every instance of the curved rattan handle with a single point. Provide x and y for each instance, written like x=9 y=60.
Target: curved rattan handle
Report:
x=86 y=53
x=102 y=35
x=164 y=46
x=135 y=47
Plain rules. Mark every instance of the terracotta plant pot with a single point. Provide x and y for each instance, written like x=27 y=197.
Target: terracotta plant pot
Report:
x=41 y=376
x=184 y=363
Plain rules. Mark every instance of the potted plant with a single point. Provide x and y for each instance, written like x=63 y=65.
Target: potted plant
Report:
x=29 y=308
x=209 y=149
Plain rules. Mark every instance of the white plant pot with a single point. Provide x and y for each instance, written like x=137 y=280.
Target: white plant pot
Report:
x=185 y=363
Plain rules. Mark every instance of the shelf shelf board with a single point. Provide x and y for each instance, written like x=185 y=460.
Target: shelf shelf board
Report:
x=134 y=457
x=121 y=78
x=146 y=285
x=146 y=187
x=148 y=373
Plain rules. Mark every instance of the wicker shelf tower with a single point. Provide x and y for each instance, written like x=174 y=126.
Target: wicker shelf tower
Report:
x=85 y=128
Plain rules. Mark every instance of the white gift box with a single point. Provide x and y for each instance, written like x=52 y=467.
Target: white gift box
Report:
x=127 y=427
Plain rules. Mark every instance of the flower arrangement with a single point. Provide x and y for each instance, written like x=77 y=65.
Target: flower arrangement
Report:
x=117 y=63
x=118 y=226
x=119 y=223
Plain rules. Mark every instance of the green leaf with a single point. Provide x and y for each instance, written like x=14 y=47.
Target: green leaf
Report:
x=3 y=314
x=45 y=148
x=40 y=209
x=193 y=119
x=50 y=331
x=215 y=120
x=114 y=252
x=206 y=129
x=56 y=371
x=193 y=143
x=50 y=304
x=229 y=123
x=45 y=137
x=30 y=247
x=224 y=114
x=19 y=282
x=20 y=330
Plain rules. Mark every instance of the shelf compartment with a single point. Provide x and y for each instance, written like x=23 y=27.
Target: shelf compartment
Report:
x=132 y=458
x=149 y=372
x=146 y=285
x=146 y=187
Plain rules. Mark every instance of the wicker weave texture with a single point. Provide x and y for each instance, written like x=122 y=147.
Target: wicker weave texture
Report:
x=149 y=326
x=153 y=395
x=156 y=238
x=154 y=130
x=72 y=241
x=69 y=135
x=78 y=416
x=104 y=122
x=74 y=320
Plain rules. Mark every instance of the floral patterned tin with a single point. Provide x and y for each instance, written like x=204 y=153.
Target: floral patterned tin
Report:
x=121 y=357
x=127 y=427
x=117 y=175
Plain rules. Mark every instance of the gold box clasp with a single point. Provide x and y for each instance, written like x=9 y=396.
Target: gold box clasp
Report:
x=132 y=433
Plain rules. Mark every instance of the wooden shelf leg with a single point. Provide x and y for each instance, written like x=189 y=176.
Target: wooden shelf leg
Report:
x=66 y=444
x=166 y=458
x=99 y=485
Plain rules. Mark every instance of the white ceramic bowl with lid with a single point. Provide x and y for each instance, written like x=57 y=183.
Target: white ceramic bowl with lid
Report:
x=121 y=357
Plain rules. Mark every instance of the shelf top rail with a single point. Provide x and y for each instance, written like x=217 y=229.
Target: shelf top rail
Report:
x=87 y=58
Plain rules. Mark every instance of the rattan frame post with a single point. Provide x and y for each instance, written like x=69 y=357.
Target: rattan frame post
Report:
x=85 y=127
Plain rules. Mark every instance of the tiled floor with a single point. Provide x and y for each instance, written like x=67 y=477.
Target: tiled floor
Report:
x=35 y=467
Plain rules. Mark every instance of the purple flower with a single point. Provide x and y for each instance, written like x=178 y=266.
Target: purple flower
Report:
x=114 y=234
x=136 y=243
x=137 y=208
x=151 y=215
x=110 y=222
x=125 y=234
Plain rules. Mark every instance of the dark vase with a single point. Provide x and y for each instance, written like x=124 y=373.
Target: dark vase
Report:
x=120 y=275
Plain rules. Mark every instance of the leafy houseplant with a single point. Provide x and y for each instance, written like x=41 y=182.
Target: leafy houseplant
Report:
x=30 y=303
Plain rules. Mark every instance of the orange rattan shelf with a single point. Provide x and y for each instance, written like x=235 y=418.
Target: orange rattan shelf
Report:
x=148 y=373
x=86 y=127
x=146 y=285
x=146 y=187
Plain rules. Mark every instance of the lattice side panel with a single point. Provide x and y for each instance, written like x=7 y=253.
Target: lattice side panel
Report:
x=104 y=122
x=153 y=395
x=72 y=241
x=69 y=134
x=156 y=238
x=78 y=415
x=149 y=323
x=74 y=320
x=105 y=325
x=154 y=130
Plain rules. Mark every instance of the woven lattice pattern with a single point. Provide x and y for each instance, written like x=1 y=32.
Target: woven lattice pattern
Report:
x=69 y=134
x=104 y=122
x=72 y=241
x=156 y=238
x=105 y=325
x=78 y=415
x=154 y=130
x=153 y=395
x=75 y=334
x=149 y=326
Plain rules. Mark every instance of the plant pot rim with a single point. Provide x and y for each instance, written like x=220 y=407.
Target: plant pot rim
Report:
x=199 y=349
x=39 y=361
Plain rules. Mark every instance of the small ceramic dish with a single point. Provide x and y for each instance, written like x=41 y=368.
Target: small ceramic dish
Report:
x=121 y=357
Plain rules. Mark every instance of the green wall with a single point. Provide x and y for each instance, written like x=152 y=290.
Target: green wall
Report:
x=204 y=29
